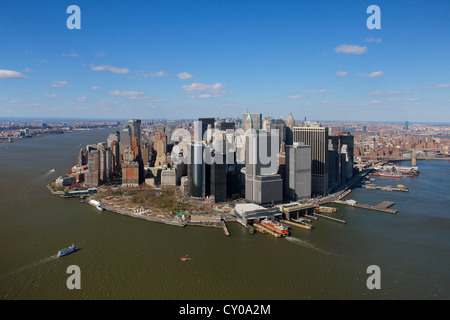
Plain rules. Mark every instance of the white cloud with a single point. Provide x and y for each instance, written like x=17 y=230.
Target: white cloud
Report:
x=95 y=88
x=10 y=74
x=73 y=54
x=50 y=95
x=201 y=90
x=315 y=91
x=82 y=99
x=184 y=75
x=130 y=95
x=372 y=75
x=153 y=74
x=296 y=97
x=350 y=49
x=444 y=85
x=134 y=96
x=60 y=84
x=106 y=67
x=377 y=40
x=388 y=93
x=342 y=73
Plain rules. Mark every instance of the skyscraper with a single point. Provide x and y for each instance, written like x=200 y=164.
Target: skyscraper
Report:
x=203 y=126
x=262 y=183
x=256 y=121
x=298 y=172
x=316 y=137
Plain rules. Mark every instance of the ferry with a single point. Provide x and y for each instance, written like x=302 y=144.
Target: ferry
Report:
x=274 y=226
x=96 y=204
x=387 y=174
x=326 y=209
x=67 y=251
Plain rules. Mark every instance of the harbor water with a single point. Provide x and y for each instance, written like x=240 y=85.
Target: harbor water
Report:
x=126 y=258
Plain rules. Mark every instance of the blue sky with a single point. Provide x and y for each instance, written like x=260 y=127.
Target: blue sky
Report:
x=188 y=59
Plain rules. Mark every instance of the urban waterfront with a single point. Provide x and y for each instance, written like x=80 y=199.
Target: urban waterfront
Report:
x=127 y=258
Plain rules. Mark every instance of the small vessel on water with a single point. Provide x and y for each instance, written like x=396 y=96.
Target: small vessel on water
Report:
x=326 y=209
x=275 y=226
x=66 y=251
x=96 y=204
x=186 y=257
x=51 y=171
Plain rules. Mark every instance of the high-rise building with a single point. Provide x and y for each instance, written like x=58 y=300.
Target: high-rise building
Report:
x=254 y=118
x=262 y=183
x=316 y=137
x=290 y=122
x=203 y=127
x=340 y=156
x=406 y=125
x=170 y=127
x=92 y=178
x=298 y=172
x=196 y=170
x=132 y=170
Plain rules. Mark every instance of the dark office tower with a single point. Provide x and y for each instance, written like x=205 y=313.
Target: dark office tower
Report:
x=82 y=158
x=298 y=172
x=93 y=175
x=262 y=183
x=347 y=151
x=145 y=152
x=225 y=125
x=196 y=170
x=255 y=118
x=115 y=156
x=340 y=156
x=290 y=122
x=218 y=177
x=406 y=125
x=203 y=125
x=317 y=138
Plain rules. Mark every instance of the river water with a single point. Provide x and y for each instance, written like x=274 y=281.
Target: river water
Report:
x=128 y=258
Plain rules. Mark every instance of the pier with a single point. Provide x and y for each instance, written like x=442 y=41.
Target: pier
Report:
x=299 y=224
x=385 y=188
x=382 y=206
x=330 y=218
x=225 y=229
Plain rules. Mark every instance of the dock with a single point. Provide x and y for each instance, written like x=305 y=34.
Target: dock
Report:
x=385 y=188
x=330 y=218
x=382 y=206
x=299 y=224
x=225 y=229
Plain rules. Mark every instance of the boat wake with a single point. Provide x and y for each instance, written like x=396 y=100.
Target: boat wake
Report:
x=306 y=244
x=35 y=264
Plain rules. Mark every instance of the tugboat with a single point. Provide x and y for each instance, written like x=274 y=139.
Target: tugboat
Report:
x=67 y=251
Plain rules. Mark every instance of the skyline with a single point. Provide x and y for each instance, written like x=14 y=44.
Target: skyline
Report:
x=186 y=60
